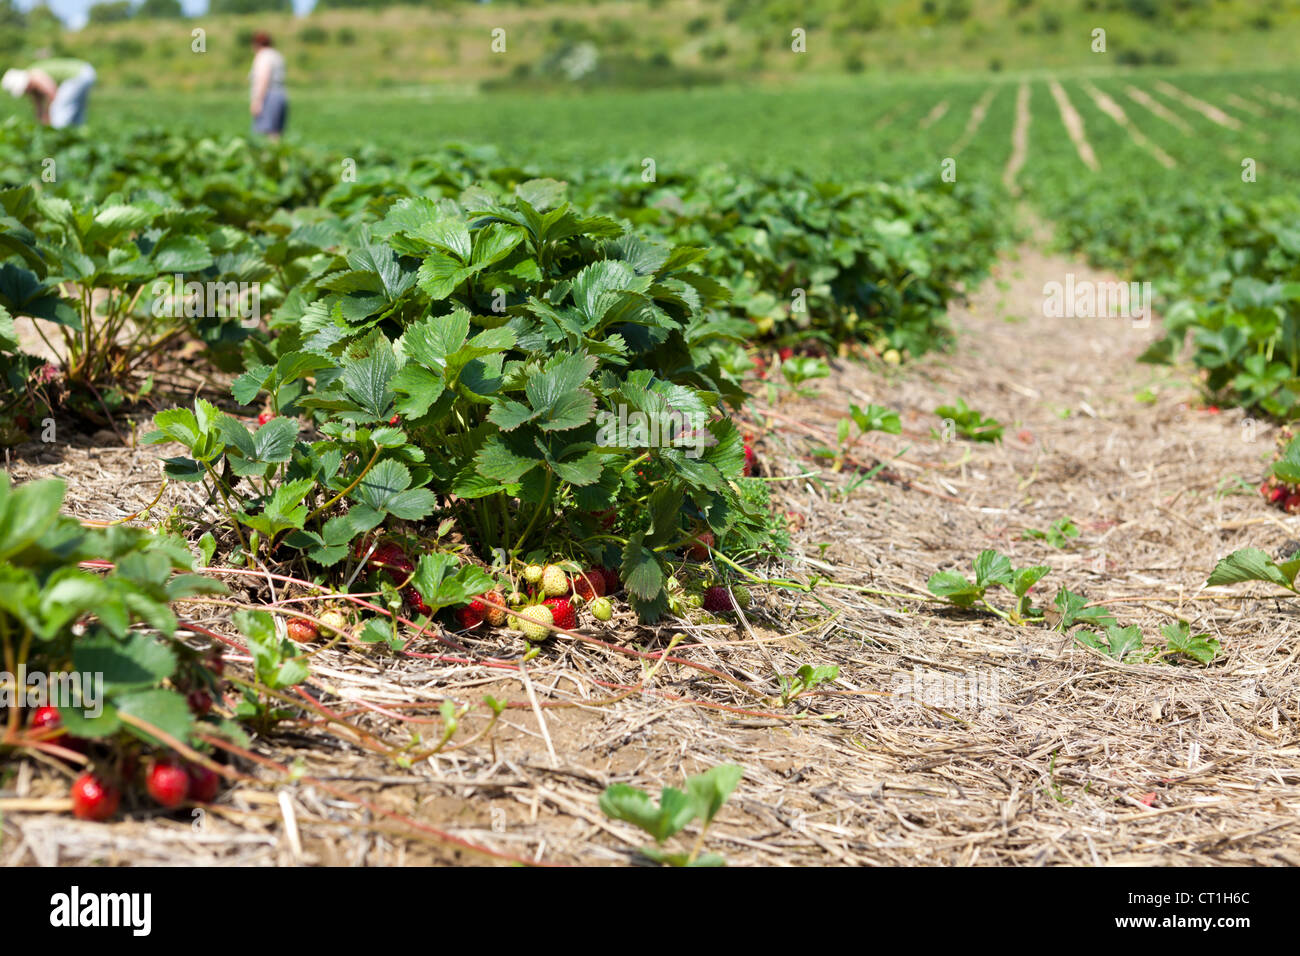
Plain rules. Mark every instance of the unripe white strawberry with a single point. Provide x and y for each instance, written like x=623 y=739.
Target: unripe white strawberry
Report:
x=555 y=583
x=533 y=573
x=601 y=609
x=535 y=621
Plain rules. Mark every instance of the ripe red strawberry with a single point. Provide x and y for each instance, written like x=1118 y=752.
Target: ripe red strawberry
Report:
x=204 y=783
x=786 y=353
x=1265 y=490
x=471 y=614
x=562 y=612
x=46 y=717
x=589 y=584
x=302 y=630
x=1277 y=494
x=200 y=702
x=699 y=548
x=263 y=418
x=414 y=601
x=717 y=600
x=613 y=583
x=94 y=798
x=395 y=419
x=1292 y=504
x=168 y=783
x=751 y=460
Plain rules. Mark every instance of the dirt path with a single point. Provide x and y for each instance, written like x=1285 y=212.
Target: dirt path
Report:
x=1156 y=108
x=1208 y=110
x=977 y=114
x=1019 y=140
x=940 y=110
x=1074 y=126
x=948 y=738
x=1116 y=112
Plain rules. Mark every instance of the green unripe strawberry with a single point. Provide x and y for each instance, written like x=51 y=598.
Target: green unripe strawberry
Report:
x=533 y=573
x=334 y=622
x=535 y=621
x=601 y=609
x=742 y=596
x=555 y=583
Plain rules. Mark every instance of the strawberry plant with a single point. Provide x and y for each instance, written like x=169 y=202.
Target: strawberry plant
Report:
x=106 y=639
x=498 y=410
x=704 y=796
x=991 y=569
x=806 y=678
x=969 y=423
x=1058 y=535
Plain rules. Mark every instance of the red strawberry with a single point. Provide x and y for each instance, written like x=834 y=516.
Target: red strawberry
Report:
x=589 y=584
x=1277 y=494
x=1212 y=409
x=613 y=583
x=699 y=548
x=562 y=612
x=751 y=460
x=717 y=599
x=606 y=518
x=471 y=614
x=168 y=783
x=44 y=717
x=200 y=702
x=215 y=662
x=302 y=630
x=495 y=616
x=263 y=418
x=1292 y=504
x=1148 y=799
x=786 y=353
x=395 y=419
x=94 y=798
x=415 y=602
x=204 y=783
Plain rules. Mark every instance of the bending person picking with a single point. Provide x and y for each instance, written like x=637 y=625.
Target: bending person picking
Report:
x=59 y=88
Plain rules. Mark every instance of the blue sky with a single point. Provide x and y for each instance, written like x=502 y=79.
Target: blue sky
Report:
x=73 y=12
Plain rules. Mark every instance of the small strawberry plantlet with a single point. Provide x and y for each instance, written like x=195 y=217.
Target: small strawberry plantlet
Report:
x=1069 y=609
x=801 y=369
x=991 y=569
x=1118 y=643
x=1180 y=642
x=704 y=796
x=968 y=423
x=806 y=678
x=278 y=664
x=1057 y=536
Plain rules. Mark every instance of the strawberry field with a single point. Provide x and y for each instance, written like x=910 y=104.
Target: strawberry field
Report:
x=855 y=472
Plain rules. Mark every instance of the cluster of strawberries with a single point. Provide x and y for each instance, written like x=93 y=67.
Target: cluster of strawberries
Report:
x=96 y=795
x=1277 y=492
x=551 y=599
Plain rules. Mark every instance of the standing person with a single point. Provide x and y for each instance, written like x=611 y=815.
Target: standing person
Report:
x=59 y=88
x=269 y=100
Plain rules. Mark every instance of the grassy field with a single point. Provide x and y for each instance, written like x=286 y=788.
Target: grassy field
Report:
x=687 y=42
